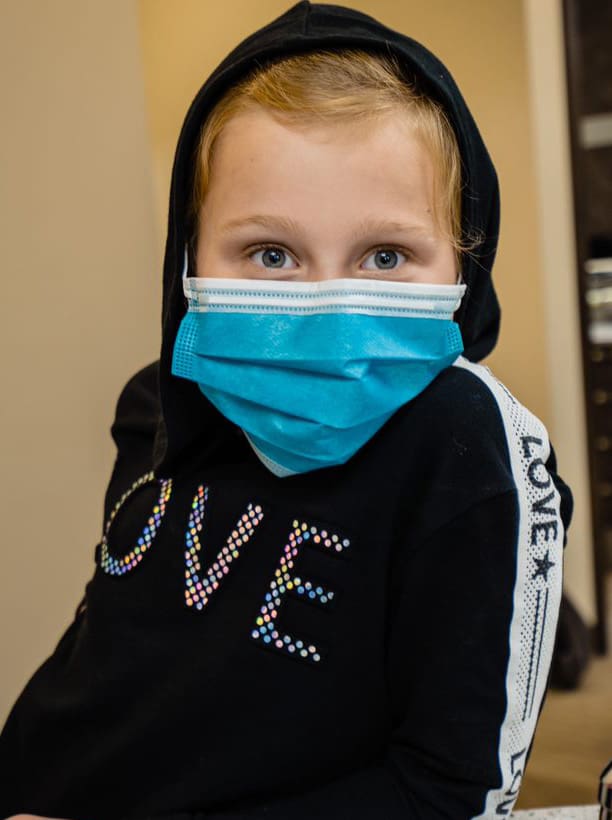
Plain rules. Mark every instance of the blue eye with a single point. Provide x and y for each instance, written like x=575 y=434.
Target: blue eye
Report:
x=272 y=257
x=385 y=259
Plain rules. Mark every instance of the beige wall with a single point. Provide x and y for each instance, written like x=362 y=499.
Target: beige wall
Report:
x=80 y=299
x=562 y=335
x=83 y=207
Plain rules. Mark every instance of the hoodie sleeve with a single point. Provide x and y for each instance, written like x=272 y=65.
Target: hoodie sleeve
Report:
x=134 y=429
x=467 y=685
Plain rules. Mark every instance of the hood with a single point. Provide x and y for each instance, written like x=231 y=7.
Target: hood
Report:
x=186 y=415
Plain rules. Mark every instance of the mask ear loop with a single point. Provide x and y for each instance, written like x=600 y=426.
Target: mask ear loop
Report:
x=185 y=263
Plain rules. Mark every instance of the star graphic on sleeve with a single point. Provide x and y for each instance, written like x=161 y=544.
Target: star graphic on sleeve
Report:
x=544 y=564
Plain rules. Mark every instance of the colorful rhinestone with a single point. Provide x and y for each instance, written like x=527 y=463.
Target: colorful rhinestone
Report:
x=285 y=583
x=119 y=566
x=198 y=590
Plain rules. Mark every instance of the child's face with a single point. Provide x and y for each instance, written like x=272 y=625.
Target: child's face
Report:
x=329 y=202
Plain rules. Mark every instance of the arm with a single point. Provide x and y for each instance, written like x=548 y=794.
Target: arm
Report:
x=469 y=648
x=133 y=431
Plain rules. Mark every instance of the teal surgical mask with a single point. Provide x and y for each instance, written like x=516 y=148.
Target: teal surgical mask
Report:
x=310 y=371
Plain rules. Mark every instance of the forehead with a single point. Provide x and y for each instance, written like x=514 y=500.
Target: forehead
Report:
x=259 y=157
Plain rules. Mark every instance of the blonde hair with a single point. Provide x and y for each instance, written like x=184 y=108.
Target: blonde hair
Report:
x=335 y=87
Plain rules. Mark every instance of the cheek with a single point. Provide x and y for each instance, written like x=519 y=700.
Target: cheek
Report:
x=205 y=254
x=207 y=265
x=200 y=259
x=216 y=259
x=447 y=265
x=206 y=261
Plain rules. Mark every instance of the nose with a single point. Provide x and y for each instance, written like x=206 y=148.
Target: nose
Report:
x=324 y=276
x=325 y=268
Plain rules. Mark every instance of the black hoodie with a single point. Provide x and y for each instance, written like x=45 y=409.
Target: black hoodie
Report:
x=380 y=637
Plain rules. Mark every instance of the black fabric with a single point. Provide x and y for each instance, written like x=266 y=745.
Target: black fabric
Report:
x=149 y=707
x=572 y=648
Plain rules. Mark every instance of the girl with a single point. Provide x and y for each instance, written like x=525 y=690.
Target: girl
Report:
x=330 y=573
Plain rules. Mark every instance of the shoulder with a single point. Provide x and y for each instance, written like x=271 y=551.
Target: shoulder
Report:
x=138 y=405
x=133 y=430
x=468 y=398
x=541 y=490
x=497 y=411
x=467 y=439
x=140 y=392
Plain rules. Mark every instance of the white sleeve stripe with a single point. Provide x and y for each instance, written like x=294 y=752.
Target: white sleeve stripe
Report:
x=537 y=589
x=531 y=689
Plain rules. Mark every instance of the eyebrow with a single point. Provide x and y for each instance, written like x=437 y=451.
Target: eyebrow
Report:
x=291 y=226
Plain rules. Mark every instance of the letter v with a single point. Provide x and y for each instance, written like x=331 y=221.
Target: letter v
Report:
x=198 y=590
